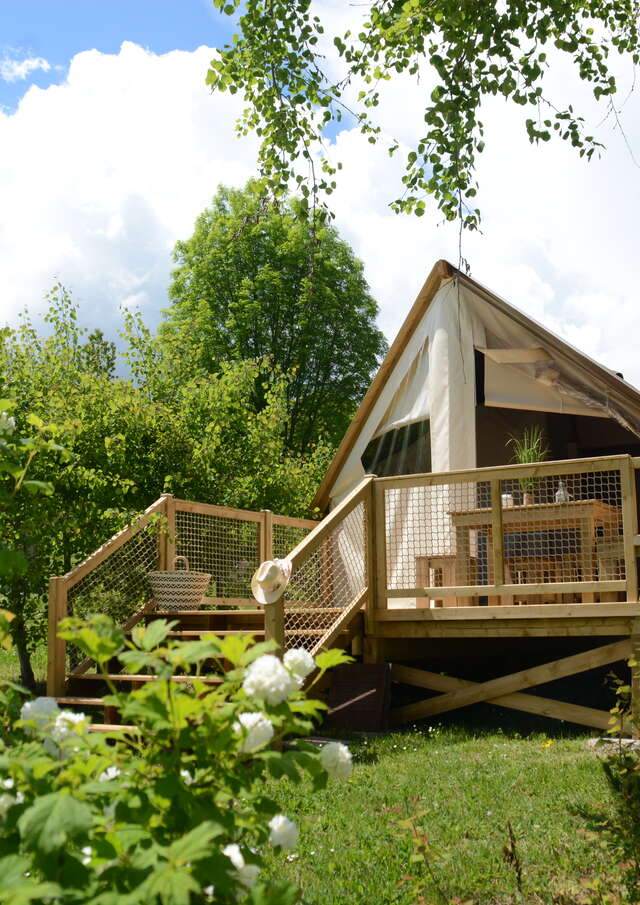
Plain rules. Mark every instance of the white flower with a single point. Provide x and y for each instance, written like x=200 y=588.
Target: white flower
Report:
x=87 y=851
x=187 y=778
x=209 y=891
x=41 y=711
x=7 y=783
x=109 y=773
x=336 y=759
x=68 y=725
x=6 y=802
x=284 y=832
x=7 y=423
x=257 y=730
x=268 y=680
x=247 y=874
x=299 y=662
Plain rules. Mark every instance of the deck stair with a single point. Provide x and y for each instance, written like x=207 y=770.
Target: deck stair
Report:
x=85 y=689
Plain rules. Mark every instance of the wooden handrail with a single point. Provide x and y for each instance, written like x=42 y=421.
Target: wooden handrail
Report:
x=313 y=540
x=114 y=543
x=508 y=472
x=274 y=612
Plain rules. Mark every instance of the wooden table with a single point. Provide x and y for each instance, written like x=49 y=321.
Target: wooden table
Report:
x=582 y=516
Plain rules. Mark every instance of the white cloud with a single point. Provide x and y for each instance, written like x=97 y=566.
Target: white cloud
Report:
x=103 y=173
x=16 y=70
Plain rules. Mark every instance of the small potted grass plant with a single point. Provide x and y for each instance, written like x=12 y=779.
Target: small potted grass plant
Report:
x=528 y=447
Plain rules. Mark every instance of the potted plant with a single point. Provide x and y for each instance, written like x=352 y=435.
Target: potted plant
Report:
x=528 y=447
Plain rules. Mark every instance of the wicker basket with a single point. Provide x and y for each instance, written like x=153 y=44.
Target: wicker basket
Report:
x=178 y=590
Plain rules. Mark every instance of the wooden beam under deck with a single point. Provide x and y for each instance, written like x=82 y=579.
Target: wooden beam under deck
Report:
x=550 y=620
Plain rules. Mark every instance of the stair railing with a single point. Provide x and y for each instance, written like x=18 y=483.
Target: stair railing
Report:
x=227 y=543
x=332 y=576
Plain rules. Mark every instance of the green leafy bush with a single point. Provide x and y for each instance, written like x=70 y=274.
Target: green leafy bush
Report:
x=174 y=810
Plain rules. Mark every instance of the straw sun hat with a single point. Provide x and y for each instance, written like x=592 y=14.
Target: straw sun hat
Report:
x=270 y=579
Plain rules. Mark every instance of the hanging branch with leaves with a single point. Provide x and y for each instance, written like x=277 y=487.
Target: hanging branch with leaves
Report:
x=469 y=49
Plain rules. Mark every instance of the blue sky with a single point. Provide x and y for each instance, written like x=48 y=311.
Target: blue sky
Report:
x=55 y=30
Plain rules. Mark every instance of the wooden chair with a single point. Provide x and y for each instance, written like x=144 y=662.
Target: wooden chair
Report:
x=437 y=572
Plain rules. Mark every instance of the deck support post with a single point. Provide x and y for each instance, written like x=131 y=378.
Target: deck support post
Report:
x=57 y=647
x=274 y=624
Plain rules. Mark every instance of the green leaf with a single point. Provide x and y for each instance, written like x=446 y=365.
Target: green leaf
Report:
x=151 y=636
x=233 y=647
x=53 y=820
x=327 y=659
x=196 y=844
x=98 y=637
x=12 y=563
x=38 y=487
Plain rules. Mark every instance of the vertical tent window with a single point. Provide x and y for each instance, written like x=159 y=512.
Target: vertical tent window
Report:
x=404 y=450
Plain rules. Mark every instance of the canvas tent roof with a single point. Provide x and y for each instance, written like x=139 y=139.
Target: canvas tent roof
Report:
x=429 y=372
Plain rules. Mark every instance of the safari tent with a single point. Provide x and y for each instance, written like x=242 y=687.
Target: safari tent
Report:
x=466 y=371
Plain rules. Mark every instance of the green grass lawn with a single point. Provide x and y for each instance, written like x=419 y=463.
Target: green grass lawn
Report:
x=468 y=787
x=10 y=668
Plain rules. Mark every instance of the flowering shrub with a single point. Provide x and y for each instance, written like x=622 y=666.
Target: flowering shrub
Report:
x=173 y=811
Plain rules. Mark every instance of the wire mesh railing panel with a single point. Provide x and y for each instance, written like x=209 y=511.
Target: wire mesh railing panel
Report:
x=557 y=527
x=118 y=587
x=427 y=544
x=565 y=528
x=286 y=537
x=227 y=548
x=328 y=581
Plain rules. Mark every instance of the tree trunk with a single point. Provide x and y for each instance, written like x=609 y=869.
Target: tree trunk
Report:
x=27 y=677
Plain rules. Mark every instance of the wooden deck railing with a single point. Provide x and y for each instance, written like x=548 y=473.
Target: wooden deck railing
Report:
x=333 y=571
x=548 y=532
x=227 y=543
x=515 y=534
x=511 y=535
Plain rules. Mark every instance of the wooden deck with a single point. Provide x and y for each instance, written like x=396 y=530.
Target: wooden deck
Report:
x=476 y=561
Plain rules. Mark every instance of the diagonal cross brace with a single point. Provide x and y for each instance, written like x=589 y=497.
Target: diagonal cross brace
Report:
x=530 y=703
x=526 y=678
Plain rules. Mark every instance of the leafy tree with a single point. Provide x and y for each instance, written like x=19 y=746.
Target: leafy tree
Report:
x=470 y=48
x=127 y=440
x=258 y=282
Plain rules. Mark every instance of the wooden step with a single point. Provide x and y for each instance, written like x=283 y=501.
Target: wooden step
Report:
x=109 y=727
x=173 y=614
x=198 y=633
x=138 y=677
x=80 y=702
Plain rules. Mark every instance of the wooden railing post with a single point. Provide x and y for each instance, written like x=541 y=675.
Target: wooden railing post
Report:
x=168 y=536
x=497 y=536
x=171 y=531
x=57 y=647
x=629 y=528
x=266 y=535
x=274 y=624
x=371 y=553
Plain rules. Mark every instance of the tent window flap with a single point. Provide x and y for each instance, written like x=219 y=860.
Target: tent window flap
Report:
x=405 y=450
